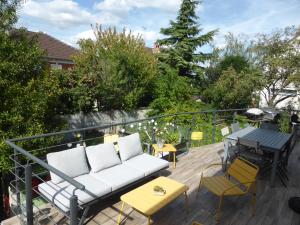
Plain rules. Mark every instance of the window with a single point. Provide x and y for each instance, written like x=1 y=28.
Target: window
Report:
x=56 y=66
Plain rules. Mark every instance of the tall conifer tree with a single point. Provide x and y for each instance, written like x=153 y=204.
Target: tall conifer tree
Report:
x=180 y=48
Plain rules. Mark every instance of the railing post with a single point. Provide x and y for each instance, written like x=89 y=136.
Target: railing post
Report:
x=153 y=136
x=190 y=131
x=73 y=210
x=28 y=189
x=214 y=127
x=234 y=117
x=17 y=175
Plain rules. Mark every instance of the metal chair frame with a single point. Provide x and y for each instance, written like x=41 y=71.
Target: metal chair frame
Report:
x=244 y=174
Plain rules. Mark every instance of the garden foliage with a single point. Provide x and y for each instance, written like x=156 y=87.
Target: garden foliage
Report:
x=116 y=71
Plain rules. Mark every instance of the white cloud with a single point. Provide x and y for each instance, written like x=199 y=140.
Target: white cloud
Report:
x=88 y=34
x=124 y=6
x=59 y=13
x=260 y=17
x=70 y=20
x=117 y=10
x=148 y=36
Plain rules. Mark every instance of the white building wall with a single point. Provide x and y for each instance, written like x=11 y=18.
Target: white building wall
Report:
x=292 y=102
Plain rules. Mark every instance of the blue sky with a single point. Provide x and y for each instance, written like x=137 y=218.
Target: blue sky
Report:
x=70 y=20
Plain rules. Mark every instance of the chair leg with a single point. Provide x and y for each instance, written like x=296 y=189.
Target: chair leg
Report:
x=281 y=179
x=218 y=215
x=225 y=163
x=186 y=202
x=254 y=199
x=199 y=187
x=283 y=172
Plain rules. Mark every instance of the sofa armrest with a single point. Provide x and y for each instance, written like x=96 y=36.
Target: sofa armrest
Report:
x=148 y=147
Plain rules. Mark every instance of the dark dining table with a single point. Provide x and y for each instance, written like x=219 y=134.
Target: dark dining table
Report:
x=269 y=140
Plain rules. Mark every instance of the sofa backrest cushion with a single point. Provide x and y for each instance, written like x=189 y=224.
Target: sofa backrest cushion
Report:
x=102 y=156
x=130 y=146
x=72 y=162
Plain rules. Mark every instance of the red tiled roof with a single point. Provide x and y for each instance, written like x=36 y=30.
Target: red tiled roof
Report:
x=54 y=48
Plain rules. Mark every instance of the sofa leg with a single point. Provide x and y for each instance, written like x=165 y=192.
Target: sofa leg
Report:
x=84 y=215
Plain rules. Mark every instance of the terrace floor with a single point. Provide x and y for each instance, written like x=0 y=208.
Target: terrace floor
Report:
x=272 y=206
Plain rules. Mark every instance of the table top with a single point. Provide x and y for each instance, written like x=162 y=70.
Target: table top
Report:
x=145 y=201
x=268 y=139
x=165 y=148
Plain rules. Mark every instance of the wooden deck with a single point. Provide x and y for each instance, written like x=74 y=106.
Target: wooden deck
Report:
x=272 y=205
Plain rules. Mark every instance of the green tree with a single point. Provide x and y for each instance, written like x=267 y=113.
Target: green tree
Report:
x=232 y=78
x=278 y=57
x=239 y=45
x=8 y=15
x=237 y=52
x=237 y=62
x=114 y=72
x=67 y=100
x=180 y=48
x=233 y=89
x=28 y=90
x=170 y=91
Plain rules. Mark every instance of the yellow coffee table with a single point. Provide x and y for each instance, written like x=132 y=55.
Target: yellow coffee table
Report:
x=143 y=199
x=166 y=148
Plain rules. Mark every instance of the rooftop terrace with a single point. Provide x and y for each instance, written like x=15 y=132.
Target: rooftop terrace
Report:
x=272 y=206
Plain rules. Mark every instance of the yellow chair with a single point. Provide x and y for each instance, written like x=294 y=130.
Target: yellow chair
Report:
x=239 y=179
x=197 y=136
x=108 y=138
x=112 y=138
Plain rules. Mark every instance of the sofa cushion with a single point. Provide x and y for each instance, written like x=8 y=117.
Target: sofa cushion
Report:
x=130 y=146
x=118 y=176
x=102 y=156
x=146 y=163
x=60 y=193
x=72 y=162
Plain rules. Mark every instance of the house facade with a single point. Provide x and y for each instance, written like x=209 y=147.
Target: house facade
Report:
x=290 y=94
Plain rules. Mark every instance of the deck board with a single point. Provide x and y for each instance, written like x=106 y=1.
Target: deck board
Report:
x=271 y=208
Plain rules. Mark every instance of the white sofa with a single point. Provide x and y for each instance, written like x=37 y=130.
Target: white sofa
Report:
x=100 y=169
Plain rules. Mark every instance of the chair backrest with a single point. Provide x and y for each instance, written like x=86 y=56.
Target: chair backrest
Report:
x=243 y=171
x=111 y=138
x=225 y=131
x=269 y=126
x=235 y=127
x=248 y=143
x=197 y=136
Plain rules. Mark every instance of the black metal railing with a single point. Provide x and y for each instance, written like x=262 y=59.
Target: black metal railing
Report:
x=29 y=152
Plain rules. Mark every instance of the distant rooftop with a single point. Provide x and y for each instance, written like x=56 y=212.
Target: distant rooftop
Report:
x=54 y=48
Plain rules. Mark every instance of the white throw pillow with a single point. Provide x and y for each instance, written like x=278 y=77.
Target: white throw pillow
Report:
x=130 y=146
x=71 y=162
x=102 y=156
